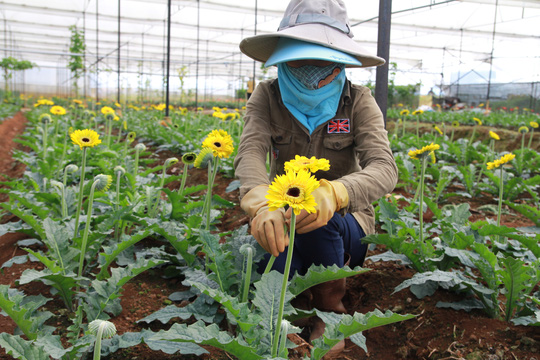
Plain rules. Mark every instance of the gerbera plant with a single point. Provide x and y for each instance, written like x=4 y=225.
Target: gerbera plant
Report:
x=294 y=189
x=221 y=144
x=423 y=154
x=493 y=165
x=84 y=138
x=534 y=125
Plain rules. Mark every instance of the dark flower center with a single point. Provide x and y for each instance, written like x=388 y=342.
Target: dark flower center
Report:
x=217 y=144
x=190 y=158
x=293 y=192
x=85 y=139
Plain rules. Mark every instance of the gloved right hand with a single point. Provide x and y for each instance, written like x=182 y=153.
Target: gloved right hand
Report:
x=267 y=227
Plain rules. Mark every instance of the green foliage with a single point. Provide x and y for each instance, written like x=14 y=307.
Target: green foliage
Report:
x=77 y=48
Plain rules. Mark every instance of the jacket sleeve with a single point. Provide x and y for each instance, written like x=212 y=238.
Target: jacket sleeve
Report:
x=379 y=173
x=255 y=142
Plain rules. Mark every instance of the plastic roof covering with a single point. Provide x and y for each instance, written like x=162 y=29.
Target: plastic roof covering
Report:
x=432 y=41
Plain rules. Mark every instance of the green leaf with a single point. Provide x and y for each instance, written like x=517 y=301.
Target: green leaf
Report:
x=103 y=295
x=318 y=274
x=175 y=234
x=201 y=334
x=65 y=284
x=239 y=313
x=23 y=311
x=530 y=212
x=515 y=279
x=220 y=261
x=112 y=252
x=22 y=349
x=341 y=326
x=199 y=309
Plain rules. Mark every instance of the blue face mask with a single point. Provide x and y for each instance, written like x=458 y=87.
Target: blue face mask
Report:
x=312 y=107
x=310 y=75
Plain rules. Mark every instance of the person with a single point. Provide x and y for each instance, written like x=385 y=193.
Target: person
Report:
x=312 y=109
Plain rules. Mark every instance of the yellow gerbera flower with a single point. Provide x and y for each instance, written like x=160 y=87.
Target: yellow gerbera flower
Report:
x=293 y=189
x=107 y=110
x=220 y=142
x=438 y=129
x=503 y=160
x=455 y=123
x=418 y=112
x=534 y=124
x=478 y=121
x=77 y=101
x=523 y=129
x=404 y=112
x=58 y=110
x=425 y=151
x=303 y=163
x=494 y=135
x=85 y=138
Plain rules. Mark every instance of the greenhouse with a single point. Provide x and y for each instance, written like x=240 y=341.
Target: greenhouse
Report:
x=287 y=179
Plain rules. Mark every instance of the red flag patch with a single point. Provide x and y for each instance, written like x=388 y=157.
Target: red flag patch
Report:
x=339 y=126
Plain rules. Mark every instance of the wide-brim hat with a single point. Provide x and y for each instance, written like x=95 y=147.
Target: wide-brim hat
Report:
x=321 y=22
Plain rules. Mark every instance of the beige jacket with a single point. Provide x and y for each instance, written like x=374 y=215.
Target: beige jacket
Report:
x=360 y=158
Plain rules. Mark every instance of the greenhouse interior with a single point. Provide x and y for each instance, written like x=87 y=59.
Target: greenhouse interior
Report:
x=286 y=179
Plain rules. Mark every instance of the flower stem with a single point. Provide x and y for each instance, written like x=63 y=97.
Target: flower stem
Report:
x=499 y=208
x=117 y=205
x=286 y=272
x=184 y=178
x=45 y=134
x=87 y=227
x=421 y=201
x=136 y=164
x=247 y=280
x=81 y=189
x=208 y=202
x=109 y=129
x=530 y=138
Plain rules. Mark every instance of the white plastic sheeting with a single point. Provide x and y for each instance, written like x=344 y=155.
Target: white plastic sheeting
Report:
x=432 y=41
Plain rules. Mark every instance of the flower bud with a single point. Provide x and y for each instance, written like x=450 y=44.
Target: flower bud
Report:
x=103 y=182
x=140 y=147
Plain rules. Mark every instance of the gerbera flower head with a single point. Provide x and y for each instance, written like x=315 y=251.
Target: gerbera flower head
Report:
x=523 y=129
x=119 y=169
x=534 y=124
x=85 y=138
x=455 y=123
x=303 y=163
x=189 y=158
x=45 y=118
x=131 y=137
x=503 y=160
x=293 y=189
x=170 y=162
x=404 y=112
x=423 y=152
x=478 y=121
x=438 y=129
x=58 y=110
x=107 y=110
x=418 y=112
x=494 y=135
x=140 y=147
x=220 y=142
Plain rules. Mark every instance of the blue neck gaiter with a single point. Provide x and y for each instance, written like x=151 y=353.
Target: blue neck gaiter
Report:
x=312 y=107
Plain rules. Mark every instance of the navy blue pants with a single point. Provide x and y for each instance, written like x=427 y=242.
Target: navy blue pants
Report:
x=324 y=246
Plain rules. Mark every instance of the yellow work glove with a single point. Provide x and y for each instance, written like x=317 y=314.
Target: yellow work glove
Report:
x=330 y=196
x=267 y=227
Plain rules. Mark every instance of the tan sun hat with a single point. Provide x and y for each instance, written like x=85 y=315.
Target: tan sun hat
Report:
x=321 y=22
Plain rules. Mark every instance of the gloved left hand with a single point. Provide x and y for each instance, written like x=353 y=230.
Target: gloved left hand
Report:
x=330 y=196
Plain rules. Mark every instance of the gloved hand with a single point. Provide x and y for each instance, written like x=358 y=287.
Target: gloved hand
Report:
x=330 y=196
x=267 y=227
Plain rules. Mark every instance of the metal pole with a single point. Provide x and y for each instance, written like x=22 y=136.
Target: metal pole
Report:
x=383 y=50
x=118 y=84
x=491 y=56
x=255 y=33
x=97 y=50
x=168 y=57
x=197 y=64
x=84 y=55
